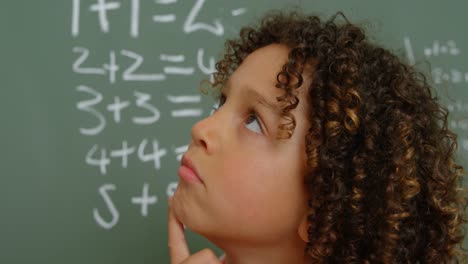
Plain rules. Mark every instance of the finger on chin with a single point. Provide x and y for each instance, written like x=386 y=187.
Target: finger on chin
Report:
x=178 y=248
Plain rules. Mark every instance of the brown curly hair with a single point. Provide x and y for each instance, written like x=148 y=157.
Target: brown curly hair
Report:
x=383 y=183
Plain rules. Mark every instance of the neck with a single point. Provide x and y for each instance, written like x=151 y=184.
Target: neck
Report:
x=282 y=252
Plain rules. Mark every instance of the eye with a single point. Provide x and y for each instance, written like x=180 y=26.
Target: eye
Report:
x=253 y=124
x=219 y=103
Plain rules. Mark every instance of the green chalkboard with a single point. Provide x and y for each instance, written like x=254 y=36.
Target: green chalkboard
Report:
x=98 y=98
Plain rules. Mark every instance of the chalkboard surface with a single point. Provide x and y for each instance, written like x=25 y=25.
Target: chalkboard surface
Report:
x=98 y=98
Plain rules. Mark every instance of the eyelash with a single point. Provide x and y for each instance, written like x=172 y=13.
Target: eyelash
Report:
x=221 y=101
x=252 y=113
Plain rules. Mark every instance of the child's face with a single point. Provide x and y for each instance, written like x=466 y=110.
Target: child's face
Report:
x=252 y=190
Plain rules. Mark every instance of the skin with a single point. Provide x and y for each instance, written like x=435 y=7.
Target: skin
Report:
x=252 y=202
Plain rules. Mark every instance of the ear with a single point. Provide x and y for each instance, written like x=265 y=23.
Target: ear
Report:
x=302 y=228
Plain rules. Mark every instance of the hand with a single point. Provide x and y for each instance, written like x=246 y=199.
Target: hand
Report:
x=178 y=248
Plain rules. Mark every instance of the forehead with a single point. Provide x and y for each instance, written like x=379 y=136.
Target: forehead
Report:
x=259 y=70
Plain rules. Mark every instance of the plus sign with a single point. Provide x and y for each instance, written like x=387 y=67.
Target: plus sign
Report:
x=101 y=7
x=117 y=106
x=144 y=200
x=124 y=152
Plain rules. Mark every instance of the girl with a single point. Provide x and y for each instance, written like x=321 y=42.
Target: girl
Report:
x=325 y=148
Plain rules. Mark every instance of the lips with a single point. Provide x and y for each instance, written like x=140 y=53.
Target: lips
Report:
x=188 y=172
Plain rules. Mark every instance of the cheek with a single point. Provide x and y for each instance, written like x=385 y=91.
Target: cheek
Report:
x=253 y=186
x=249 y=172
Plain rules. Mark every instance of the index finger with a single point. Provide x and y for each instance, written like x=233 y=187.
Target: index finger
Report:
x=178 y=248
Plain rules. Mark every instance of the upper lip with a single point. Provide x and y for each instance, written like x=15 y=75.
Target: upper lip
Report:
x=188 y=163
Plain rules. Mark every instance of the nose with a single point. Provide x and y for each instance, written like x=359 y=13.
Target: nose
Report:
x=205 y=134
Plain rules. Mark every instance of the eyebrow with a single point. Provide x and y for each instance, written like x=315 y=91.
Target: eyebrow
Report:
x=251 y=92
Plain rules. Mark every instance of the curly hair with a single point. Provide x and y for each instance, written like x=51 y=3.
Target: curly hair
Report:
x=384 y=186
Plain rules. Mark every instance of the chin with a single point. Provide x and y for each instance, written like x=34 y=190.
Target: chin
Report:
x=185 y=214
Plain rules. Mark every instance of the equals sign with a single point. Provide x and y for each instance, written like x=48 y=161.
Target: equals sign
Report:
x=164 y=18
x=180 y=151
x=175 y=69
x=185 y=112
x=238 y=11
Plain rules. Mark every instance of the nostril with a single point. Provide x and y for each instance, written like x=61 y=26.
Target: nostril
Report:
x=203 y=133
x=203 y=143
